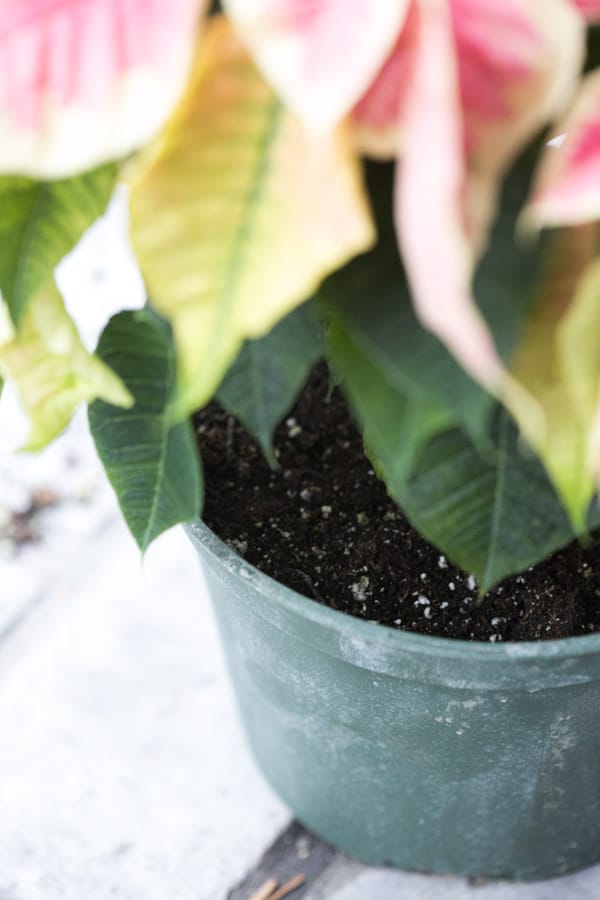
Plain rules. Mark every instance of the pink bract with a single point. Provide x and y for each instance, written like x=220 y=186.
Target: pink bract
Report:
x=88 y=80
x=567 y=190
x=477 y=80
x=589 y=8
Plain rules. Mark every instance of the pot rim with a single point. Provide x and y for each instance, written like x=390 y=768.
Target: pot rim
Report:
x=405 y=641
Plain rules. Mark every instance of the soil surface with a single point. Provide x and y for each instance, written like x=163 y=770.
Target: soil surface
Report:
x=324 y=525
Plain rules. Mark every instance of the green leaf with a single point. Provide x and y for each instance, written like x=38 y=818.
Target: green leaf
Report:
x=493 y=511
x=493 y=514
x=482 y=498
x=51 y=368
x=40 y=222
x=489 y=507
x=371 y=299
x=152 y=462
x=395 y=424
x=268 y=374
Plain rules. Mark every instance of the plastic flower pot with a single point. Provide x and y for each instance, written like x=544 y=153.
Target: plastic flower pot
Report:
x=418 y=752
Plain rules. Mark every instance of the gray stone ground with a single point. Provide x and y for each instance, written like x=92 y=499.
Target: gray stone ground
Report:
x=123 y=771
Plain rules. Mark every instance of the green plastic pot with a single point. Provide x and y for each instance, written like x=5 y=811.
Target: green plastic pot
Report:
x=412 y=751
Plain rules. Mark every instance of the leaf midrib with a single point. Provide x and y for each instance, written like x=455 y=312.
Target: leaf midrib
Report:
x=251 y=206
x=498 y=501
x=164 y=439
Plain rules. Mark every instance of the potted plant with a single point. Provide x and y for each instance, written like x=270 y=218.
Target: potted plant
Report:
x=412 y=192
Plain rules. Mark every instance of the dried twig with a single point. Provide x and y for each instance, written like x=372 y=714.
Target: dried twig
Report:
x=264 y=892
x=271 y=890
x=287 y=888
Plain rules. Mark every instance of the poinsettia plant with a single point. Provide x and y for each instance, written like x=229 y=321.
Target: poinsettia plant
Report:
x=409 y=188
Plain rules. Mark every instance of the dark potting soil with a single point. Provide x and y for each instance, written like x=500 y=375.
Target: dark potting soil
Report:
x=324 y=525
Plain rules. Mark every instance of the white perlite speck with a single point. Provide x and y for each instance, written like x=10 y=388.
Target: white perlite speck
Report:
x=471 y=583
x=359 y=588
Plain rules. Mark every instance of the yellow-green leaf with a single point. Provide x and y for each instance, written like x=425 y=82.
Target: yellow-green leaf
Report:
x=579 y=351
x=558 y=363
x=40 y=222
x=237 y=215
x=52 y=370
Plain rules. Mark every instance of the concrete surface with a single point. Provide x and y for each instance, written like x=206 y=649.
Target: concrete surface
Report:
x=123 y=771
